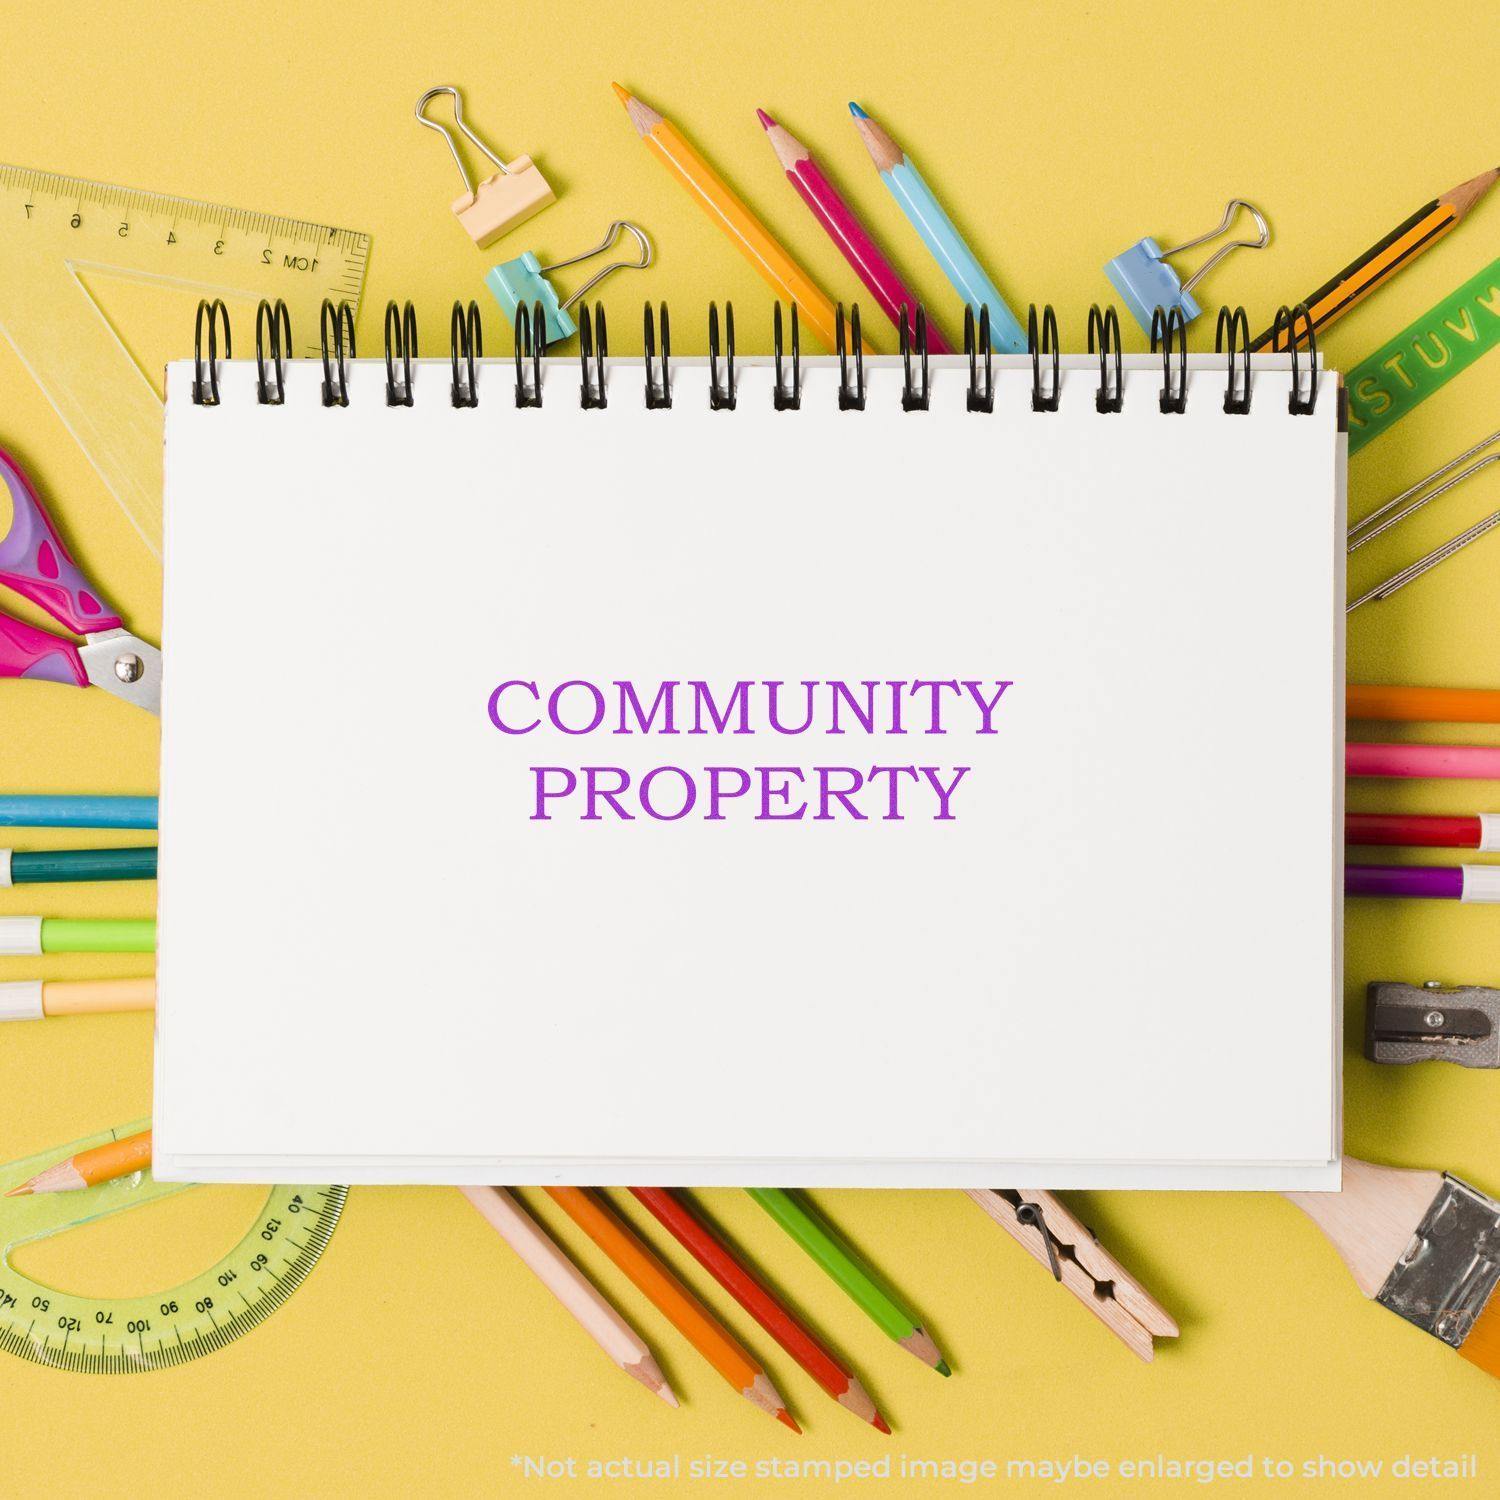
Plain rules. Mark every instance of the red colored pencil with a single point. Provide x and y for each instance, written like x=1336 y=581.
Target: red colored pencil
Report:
x=761 y=1303
x=844 y=228
x=1424 y=831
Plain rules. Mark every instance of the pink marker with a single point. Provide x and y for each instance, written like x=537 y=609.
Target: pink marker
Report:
x=1474 y=762
x=852 y=238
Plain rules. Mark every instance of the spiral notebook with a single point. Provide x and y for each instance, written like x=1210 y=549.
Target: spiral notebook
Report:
x=873 y=792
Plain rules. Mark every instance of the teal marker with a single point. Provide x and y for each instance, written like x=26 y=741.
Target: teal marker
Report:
x=939 y=234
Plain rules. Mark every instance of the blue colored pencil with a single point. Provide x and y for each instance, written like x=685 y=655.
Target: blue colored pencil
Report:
x=939 y=234
x=77 y=812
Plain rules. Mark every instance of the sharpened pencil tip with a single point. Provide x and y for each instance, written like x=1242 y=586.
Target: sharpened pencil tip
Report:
x=765 y=120
x=857 y=112
x=880 y=1424
x=668 y=1395
x=621 y=92
x=19 y=1192
x=942 y=1367
x=788 y=1420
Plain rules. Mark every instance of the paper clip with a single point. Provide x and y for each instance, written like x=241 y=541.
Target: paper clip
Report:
x=523 y=281
x=1143 y=278
x=1411 y=500
x=505 y=198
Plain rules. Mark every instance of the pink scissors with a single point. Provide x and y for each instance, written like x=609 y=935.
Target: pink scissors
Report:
x=35 y=563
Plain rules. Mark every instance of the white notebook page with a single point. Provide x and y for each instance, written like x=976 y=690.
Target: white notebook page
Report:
x=1114 y=962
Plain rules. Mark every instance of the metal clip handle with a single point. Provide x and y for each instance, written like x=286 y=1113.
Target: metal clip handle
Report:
x=1233 y=208
x=458 y=120
x=615 y=230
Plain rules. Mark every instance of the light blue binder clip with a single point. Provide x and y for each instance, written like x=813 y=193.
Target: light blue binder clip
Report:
x=1144 y=279
x=524 y=280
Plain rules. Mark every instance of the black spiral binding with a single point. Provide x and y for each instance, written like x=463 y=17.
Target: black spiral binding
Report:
x=913 y=398
x=593 y=339
x=206 y=372
x=658 y=397
x=976 y=399
x=1298 y=404
x=1231 y=338
x=466 y=348
x=787 y=398
x=400 y=345
x=1104 y=336
x=1044 y=400
x=851 y=397
x=334 y=324
x=273 y=329
x=1163 y=325
x=720 y=398
x=531 y=343
x=1292 y=330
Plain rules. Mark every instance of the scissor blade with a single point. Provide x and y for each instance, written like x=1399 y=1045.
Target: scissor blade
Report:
x=125 y=665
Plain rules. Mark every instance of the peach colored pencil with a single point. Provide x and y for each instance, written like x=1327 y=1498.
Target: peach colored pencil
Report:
x=541 y=1255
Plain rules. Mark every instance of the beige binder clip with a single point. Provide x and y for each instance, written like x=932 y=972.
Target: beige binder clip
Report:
x=1043 y=1227
x=505 y=198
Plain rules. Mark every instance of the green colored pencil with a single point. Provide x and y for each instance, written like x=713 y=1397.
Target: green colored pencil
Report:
x=894 y=1318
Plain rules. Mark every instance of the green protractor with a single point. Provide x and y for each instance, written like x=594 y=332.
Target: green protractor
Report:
x=122 y=1335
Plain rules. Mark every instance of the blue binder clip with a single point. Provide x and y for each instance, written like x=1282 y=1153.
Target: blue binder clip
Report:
x=524 y=280
x=1144 y=279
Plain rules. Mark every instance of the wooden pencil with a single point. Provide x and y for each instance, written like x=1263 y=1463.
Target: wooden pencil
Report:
x=118 y=1158
x=761 y=1303
x=843 y=226
x=881 y=1305
x=541 y=1255
x=1384 y=259
x=730 y=212
x=673 y=1300
x=1422 y=1244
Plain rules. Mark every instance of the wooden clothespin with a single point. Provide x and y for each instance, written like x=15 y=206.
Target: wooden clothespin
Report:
x=1042 y=1226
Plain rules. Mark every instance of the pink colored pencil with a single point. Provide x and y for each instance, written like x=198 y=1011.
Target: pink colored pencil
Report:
x=1474 y=762
x=853 y=239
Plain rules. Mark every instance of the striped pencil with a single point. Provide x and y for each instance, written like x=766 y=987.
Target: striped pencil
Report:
x=118 y=1158
x=843 y=227
x=541 y=1255
x=673 y=1300
x=53 y=866
x=939 y=233
x=1476 y=884
x=1480 y=831
x=34 y=999
x=892 y=1316
x=1469 y=762
x=761 y=1303
x=1422 y=704
x=27 y=937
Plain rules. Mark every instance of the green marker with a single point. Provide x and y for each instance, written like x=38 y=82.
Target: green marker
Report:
x=28 y=937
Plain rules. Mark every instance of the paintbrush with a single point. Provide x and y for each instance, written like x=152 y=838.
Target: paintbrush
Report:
x=1422 y=1244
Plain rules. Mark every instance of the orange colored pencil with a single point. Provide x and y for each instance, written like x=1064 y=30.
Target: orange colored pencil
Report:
x=761 y=1303
x=1418 y=705
x=1382 y=260
x=89 y=1168
x=730 y=212
x=673 y=1300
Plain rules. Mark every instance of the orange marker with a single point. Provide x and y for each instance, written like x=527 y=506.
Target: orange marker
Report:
x=720 y=202
x=89 y=1168
x=673 y=1300
x=1423 y=704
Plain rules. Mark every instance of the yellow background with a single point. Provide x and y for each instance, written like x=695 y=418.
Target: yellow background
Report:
x=421 y=1356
